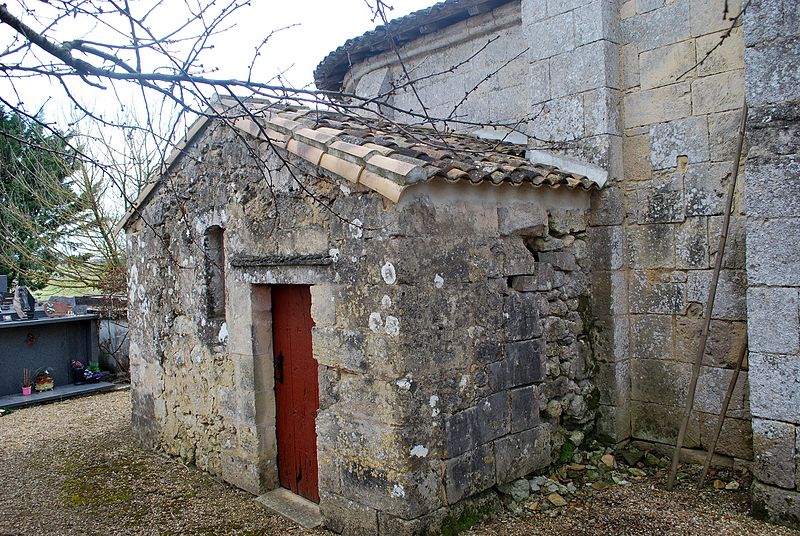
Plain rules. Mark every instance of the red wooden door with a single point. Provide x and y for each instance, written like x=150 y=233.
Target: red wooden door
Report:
x=296 y=389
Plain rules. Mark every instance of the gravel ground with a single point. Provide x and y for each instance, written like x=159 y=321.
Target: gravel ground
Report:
x=73 y=468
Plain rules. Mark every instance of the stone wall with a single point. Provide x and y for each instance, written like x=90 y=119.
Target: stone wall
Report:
x=772 y=38
x=450 y=68
x=453 y=331
x=680 y=127
x=605 y=85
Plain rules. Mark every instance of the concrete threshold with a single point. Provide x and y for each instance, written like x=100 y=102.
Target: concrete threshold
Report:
x=293 y=507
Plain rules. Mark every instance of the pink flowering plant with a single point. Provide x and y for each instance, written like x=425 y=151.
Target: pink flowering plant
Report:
x=77 y=365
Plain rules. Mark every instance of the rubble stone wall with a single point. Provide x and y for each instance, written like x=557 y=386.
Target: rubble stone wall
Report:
x=453 y=331
x=772 y=39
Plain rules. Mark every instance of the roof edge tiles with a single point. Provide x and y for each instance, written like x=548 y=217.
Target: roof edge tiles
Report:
x=329 y=74
x=385 y=157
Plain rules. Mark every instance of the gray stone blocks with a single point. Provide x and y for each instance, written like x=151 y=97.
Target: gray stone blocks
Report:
x=524 y=364
x=470 y=473
x=773 y=257
x=775 y=386
x=487 y=420
x=774 y=452
x=775 y=311
x=520 y=454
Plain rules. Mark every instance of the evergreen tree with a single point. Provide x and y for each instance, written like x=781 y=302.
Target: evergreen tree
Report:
x=37 y=201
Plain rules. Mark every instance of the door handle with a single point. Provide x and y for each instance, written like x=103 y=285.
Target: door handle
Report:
x=279 y=368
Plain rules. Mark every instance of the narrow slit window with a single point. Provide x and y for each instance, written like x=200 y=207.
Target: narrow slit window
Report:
x=215 y=271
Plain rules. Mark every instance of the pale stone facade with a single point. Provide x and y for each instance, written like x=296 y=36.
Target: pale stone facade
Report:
x=617 y=84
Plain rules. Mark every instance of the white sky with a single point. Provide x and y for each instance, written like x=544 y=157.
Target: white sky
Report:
x=322 y=26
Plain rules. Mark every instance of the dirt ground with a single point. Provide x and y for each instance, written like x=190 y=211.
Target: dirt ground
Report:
x=74 y=468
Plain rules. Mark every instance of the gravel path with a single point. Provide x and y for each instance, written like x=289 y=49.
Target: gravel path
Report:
x=73 y=468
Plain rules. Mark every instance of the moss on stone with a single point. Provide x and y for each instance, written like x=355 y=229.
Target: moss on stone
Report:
x=451 y=526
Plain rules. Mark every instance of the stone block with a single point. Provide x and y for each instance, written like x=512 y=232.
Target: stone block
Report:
x=773 y=319
x=524 y=408
x=651 y=246
x=477 y=425
x=608 y=206
x=650 y=293
x=652 y=337
x=735 y=248
x=539 y=82
x=773 y=257
x=774 y=392
x=559 y=119
x=561 y=260
x=730 y=302
x=524 y=364
x=706 y=16
x=657 y=105
x=659 y=382
x=691 y=244
x=771 y=75
x=613 y=380
x=520 y=454
x=774 y=130
x=528 y=220
x=774 y=452
x=724 y=344
x=587 y=67
x=554 y=7
x=777 y=505
x=631 y=75
x=469 y=473
x=614 y=422
x=513 y=258
x=681 y=137
x=763 y=22
x=770 y=198
x=420 y=488
x=601 y=108
x=553 y=36
x=643 y=6
x=718 y=92
x=339 y=349
x=663 y=26
x=609 y=294
x=596 y=20
x=735 y=440
x=607 y=247
x=661 y=200
x=659 y=423
x=521 y=314
x=713 y=383
x=663 y=65
x=347 y=517
x=636 y=158
x=723 y=130
x=727 y=57
x=706 y=185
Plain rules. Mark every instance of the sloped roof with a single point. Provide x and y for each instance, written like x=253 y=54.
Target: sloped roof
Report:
x=384 y=156
x=330 y=73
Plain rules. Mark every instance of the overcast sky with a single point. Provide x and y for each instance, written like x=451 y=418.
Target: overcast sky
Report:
x=323 y=26
x=320 y=26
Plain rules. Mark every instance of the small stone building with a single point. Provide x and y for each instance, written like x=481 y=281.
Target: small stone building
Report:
x=466 y=327
x=389 y=305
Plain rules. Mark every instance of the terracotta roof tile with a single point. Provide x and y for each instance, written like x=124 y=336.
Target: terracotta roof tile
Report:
x=377 y=153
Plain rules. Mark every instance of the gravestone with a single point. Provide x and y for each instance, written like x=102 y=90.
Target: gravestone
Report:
x=24 y=303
